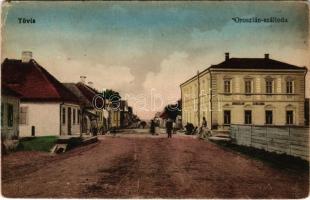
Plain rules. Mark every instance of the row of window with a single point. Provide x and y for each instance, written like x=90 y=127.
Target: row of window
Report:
x=268 y=117
x=248 y=86
x=10 y=114
x=74 y=113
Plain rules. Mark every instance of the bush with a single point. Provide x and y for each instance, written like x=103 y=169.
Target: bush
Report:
x=44 y=143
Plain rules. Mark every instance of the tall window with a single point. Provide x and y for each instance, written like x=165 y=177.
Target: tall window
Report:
x=10 y=115
x=269 y=86
x=73 y=110
x=289 y=87
x=268 y=117
x=23 y=115
x=78 y=116
x=289 y=117
x=248 y=117
x=64 y=115
x=248 y=86
x=227 y=116
x=227 y=86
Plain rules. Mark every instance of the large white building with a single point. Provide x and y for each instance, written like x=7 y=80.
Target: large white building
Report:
x=258 y=91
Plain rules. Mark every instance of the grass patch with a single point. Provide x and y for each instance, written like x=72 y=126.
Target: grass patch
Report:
x=44 y=143
x=280 y=161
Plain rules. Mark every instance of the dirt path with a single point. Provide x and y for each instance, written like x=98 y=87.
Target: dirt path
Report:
x=140 y=166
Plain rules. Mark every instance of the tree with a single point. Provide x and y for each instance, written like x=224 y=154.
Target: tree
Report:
x=111 y=94
x=173 y=110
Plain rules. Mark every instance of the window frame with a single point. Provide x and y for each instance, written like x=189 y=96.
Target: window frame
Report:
x=246 y=119
x=10 y=115
x=225 y=112
x=269 y=87
x=64 y=115
x=248 y=85
x=229 y=86
x=74 y=115
x=267 y=119
x=291 y=121
x=289 y=87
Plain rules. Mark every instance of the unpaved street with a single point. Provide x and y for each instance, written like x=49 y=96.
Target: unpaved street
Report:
x=144 y=166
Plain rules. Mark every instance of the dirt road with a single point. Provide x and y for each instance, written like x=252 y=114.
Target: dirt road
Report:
x=143 y=167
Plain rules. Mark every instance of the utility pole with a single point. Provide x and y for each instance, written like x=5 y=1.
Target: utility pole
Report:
x=198 y=96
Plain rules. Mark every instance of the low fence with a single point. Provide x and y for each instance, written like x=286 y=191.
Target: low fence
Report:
x=280 y=139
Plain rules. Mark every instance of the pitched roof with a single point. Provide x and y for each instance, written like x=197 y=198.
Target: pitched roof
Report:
x=90 y=93
x=254 y=63
x=33 y=82
x=77 y=92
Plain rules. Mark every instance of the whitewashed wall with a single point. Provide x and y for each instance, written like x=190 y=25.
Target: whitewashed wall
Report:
x=45 y=117
x=280 y=139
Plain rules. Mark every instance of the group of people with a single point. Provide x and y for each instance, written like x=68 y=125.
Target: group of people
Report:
x=170 y=127
x=192 y=130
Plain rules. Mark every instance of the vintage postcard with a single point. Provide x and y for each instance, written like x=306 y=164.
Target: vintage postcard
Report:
x=155 y=99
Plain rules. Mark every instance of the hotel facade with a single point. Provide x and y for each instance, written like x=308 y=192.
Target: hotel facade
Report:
x=252 y=91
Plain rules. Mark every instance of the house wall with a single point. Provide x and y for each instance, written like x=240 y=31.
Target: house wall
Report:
x=237 y=101
x=189 y=93
x=75 y=126
x=6 y=131
x=44 y=117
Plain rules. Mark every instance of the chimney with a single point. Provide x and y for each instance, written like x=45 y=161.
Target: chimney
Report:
x=83 y=78
x=226 y=56
x=26 y=56
x=266 y=55
x=90 y=84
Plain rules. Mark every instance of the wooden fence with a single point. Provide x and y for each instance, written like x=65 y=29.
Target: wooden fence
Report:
x=280 y=139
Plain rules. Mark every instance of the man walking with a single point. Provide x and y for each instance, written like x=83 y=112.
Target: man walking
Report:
x=169 y=127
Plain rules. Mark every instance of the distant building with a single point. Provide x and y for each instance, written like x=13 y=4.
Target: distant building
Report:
x=47 y=107
x=258 y=91
x=10 y=101
x=93 y=111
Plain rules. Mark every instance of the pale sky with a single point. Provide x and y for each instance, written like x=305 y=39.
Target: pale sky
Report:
x=146 y=49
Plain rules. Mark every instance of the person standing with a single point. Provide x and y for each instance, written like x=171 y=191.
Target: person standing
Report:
x=204 y=122
x=169 y=127
x=152 y=127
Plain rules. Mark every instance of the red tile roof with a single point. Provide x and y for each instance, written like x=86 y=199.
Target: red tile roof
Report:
x=33 y=82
